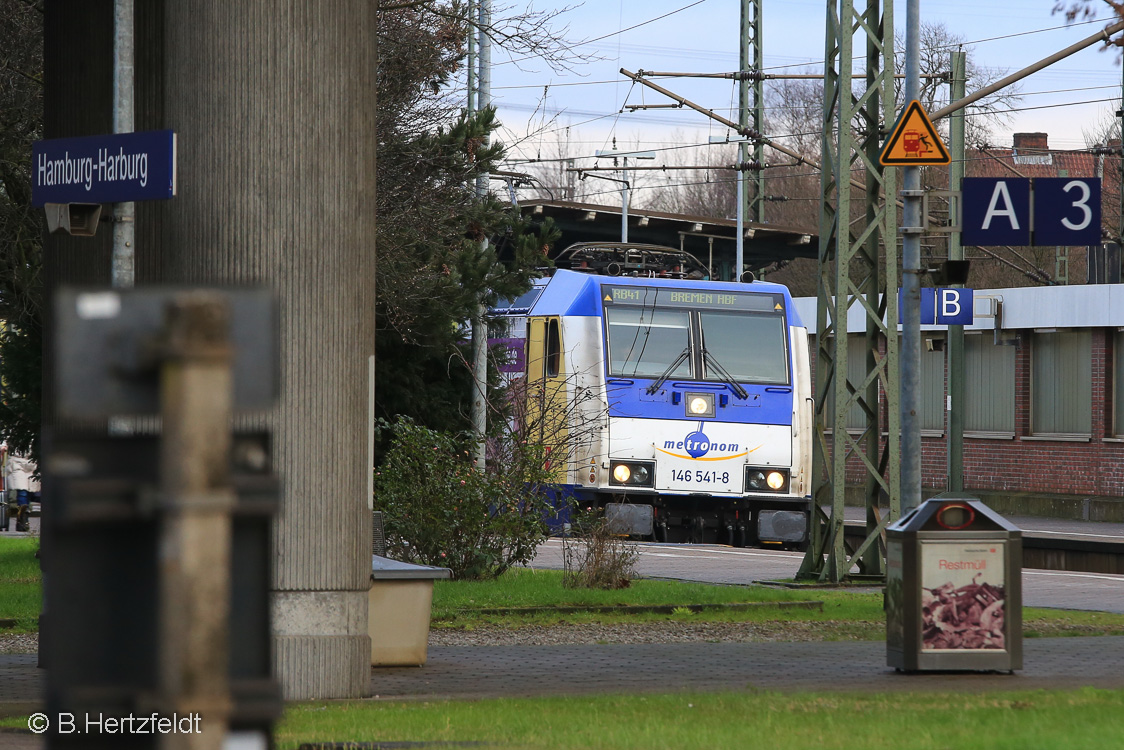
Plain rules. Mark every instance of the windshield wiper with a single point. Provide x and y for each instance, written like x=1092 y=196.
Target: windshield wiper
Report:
x=670 y=369
x=735 y=386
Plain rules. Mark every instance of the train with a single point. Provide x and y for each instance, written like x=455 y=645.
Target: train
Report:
x=679 y=406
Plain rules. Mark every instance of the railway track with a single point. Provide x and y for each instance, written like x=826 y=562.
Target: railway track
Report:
x=1099 y=549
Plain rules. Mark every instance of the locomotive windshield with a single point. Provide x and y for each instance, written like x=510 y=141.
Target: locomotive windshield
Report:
x=644 y=342
x=750 y=346
x=673 y=333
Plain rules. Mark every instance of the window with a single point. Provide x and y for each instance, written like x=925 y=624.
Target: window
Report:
x=686 y=333
x=749 y=347
x=553 y=349
x=1118 y=384
x=645 y=342
x=932 y=388
x=989 y=386
x=1061 y=390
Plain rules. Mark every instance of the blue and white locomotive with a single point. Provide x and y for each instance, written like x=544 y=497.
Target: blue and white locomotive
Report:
x=682 y=407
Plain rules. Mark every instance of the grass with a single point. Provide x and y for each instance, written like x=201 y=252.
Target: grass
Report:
x=458 y=604
x=21 y=583
x=1089 y=719
x=846 y=613
x=463 y=603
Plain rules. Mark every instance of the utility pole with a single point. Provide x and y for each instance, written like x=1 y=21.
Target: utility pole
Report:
x=480 y=323
x=956 y=253
x=911 y=283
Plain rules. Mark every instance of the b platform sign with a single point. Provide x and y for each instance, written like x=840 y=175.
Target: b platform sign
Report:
x=914 y=141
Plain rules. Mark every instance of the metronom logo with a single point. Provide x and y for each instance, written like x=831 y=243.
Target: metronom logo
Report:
x=697 y=445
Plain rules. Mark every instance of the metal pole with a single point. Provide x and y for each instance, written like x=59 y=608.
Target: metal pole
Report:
x=479 y=324
x=624 y=202
x=196 y=393
x=484 y=92
x=122 y=271
x=911 y=284
x=956 y=252
x=470 y=67
x=756 y=204
x=743 y=147
x=1103 y=34
x=739 y=262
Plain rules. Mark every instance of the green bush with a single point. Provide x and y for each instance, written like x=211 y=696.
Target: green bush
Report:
x=440 y=510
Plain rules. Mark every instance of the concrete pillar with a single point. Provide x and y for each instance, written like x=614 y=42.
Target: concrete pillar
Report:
x=273 y=104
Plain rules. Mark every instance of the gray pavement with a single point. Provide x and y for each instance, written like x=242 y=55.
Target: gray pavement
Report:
x=33 y=523
x=510 y=671
x=473 y=672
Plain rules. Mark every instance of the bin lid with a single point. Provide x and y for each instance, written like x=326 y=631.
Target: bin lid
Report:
x=385 y=569
x=954 y=512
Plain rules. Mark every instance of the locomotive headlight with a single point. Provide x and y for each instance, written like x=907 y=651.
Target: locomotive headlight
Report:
x=632 y=473
x=700 y=404
x=765 y=480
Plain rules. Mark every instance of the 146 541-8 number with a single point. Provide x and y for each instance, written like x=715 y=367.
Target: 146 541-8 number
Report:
x=699 y=476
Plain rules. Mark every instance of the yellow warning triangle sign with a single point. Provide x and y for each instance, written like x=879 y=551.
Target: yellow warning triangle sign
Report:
x=914 y=141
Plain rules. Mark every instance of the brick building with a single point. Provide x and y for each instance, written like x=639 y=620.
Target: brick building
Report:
x=1044 y=402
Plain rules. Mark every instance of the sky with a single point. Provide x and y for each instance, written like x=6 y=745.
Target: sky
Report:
x=538 y=105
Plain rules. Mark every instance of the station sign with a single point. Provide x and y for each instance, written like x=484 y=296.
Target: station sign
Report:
x=1067 y=211
x=104 y=168
x=1021 y=211
x=943 y=306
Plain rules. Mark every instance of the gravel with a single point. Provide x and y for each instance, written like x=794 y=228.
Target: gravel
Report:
x=19 y=643
x=650 y=632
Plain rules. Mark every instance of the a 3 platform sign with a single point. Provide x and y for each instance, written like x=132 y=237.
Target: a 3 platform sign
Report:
x=1023 y=211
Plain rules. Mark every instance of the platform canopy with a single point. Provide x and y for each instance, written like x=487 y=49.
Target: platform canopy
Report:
x=711 y=240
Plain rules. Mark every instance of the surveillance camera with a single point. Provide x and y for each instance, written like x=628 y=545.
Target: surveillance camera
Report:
x=77 y=219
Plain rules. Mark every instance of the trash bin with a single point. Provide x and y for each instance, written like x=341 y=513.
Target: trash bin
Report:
x=954 y=588
x=398 y=609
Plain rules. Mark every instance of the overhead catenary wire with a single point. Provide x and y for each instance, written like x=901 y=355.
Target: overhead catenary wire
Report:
x=805 y=64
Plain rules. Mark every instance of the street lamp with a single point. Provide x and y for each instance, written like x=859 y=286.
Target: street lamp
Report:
x=626 y=155
x=740 y=244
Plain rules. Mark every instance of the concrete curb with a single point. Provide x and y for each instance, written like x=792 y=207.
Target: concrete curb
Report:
x=661 y=609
